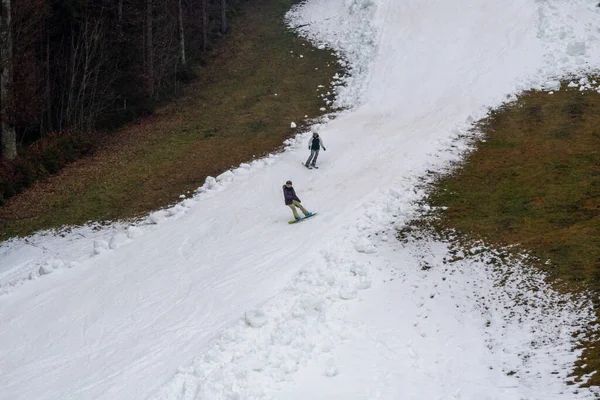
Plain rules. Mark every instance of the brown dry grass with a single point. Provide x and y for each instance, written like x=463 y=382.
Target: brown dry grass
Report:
x=229 y=115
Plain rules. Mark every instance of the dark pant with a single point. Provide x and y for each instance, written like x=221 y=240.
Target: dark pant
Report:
x=312 y=159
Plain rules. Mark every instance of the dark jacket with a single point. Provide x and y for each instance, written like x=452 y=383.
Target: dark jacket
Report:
x=315 y=143
x=290 y=195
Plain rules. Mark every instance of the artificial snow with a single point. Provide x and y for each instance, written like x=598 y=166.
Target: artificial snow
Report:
x=552 y=85
x=217 y=297
x=576 y=48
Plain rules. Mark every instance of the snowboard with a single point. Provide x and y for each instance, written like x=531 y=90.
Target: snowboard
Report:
x=310 y=167
x=302 y=219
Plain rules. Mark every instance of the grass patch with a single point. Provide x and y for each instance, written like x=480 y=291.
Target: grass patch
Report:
x=535 y=181
x=240 y=107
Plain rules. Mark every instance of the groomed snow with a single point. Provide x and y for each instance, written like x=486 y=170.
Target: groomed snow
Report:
x=219 y=298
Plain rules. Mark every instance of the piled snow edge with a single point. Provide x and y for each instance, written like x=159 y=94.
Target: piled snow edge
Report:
x=95 y=239
x=270 y=343
x=355 y=48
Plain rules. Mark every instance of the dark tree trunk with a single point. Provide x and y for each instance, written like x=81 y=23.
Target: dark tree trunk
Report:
x=9 y=139
x=181 y=34
x=204 y=25
x=149 y=47
x=223 y=16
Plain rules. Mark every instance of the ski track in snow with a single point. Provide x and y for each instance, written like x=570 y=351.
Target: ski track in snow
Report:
x=218 y=298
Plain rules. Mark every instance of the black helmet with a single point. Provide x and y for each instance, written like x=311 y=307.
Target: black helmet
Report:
x=315 y=134
x=288 y=183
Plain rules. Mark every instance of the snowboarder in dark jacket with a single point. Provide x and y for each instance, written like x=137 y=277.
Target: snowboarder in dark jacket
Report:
x=314 y=146
x=292 y=201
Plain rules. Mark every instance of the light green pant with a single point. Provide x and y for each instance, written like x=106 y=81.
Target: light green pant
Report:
x=293 y=206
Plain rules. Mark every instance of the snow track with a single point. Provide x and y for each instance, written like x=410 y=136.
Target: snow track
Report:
x=219 y=298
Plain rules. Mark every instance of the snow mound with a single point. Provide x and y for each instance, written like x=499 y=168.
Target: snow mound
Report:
x=274 y=341
x=256 y=318
x=575 y=49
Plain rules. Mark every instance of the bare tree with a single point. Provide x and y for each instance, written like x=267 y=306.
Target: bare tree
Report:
x=89 y=58
x=204 y=25
x=9 y=140
x=223 y=16
x=92 y=63
x=181 y=34
x=120 y=18
x=167 y=47
x=46 y=119
x=149 y=47
x=27 y=20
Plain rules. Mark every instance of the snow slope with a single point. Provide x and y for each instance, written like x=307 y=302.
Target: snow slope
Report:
x=219 y=298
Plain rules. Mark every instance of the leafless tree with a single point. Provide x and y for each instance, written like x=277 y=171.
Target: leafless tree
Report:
x=77 y=69
x=204 y=25
x=150 y=47
x=9 y=140
x=223 y=16
x=181 y=34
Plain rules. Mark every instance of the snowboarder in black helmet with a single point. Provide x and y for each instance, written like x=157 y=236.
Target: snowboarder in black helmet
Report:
x=314 y=146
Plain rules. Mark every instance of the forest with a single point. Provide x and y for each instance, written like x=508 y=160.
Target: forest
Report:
x=71 y=70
